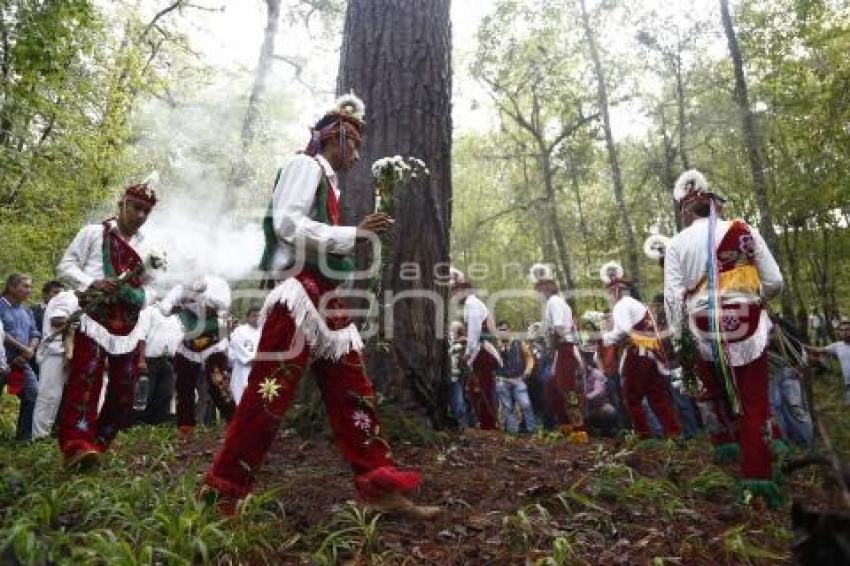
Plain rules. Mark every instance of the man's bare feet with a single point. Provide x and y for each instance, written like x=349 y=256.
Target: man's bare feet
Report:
x=399 y=504
x=82 y=460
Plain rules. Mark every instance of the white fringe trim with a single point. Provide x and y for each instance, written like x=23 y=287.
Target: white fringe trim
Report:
x=743 y=352
x=201 y=357
x=324 y=342
x=116 y=345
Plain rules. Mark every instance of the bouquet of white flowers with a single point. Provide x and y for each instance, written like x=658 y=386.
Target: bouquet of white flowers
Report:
x=390 y=172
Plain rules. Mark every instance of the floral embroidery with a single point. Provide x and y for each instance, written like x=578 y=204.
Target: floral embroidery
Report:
x=362 y=421
x=747 y=245
x=82 y=424
x=269 y=389
x=730 y=323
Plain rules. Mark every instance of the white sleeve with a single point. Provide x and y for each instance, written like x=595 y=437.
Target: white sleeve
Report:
x=475 y=317
x=217 y=293
x=674 y=290
x=561 y=316
x=70 y=267
x=832 y=348
x=769 y=273
x=294 y=196
x=618 y=333
x=167 y=304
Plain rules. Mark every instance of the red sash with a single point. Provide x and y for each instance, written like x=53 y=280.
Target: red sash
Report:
x=119 y=317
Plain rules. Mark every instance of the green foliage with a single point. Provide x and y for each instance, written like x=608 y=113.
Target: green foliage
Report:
x=797 y=73
x=352 y=535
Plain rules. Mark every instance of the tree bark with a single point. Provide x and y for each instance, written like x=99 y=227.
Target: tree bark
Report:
x=680 y=106
x=396 y=55
x=752 y=143
x=264 y=65
x=557 y=230
x=613 y=160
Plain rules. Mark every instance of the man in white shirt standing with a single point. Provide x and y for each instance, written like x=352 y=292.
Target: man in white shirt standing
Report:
x=723 y=292
x=481 y=354
x=306 y=323
x=104 y=262
x=564 y=396
x=203 y=348
x=643 y=365
x=160 y=345
x=53 y=367
x=243 y=344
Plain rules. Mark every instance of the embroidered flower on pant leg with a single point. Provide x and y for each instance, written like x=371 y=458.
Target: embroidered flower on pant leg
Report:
x=362 y=421
x=269 y=389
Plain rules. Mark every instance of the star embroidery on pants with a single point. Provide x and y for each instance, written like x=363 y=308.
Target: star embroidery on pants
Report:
x=362 y=420
x=269 y=389
x=82 y=425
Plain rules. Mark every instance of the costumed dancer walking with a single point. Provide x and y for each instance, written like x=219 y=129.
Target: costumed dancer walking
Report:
x=203 y=348
x=655 y=246
x=104 y=265
x=565 y=398
x=720 y=273
x=52 y=361
x=643 y=364
x=481 y=354
x=243 y=344
x=310 y=252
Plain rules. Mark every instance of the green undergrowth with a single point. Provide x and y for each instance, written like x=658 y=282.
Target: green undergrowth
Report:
x=138 y=508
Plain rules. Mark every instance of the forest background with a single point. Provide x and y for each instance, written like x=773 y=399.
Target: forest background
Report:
x=546 y=164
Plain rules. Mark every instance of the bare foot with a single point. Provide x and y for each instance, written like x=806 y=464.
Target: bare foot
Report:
x=82 y=460
x=397 y=503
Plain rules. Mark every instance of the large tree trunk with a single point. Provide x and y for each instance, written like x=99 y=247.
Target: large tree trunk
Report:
x=751 y=141
x=396 y=55
x=619 y=191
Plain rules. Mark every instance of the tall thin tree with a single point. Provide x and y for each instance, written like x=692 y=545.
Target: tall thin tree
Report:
x=613 y=159
x=752 y=144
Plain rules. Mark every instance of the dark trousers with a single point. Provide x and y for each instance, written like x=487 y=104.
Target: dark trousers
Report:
x=160 y=390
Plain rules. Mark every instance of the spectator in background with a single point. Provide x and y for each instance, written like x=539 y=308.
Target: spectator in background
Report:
x=4 y=365
x=48 y=291
x=600 y=413
x=21 y=340
x=541 y=374
x=53 y=367
x=511 y=378
x=243 y=344
x=817 y=327
x=460 y=373
x=840 y=350
x=159 y=347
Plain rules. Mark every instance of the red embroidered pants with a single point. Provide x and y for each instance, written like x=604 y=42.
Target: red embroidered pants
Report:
x=563 y=397
x=79 y=425
x=215 y=370
x=754 y=428
x=349 y=401
x=641 y=378
x=481 y=389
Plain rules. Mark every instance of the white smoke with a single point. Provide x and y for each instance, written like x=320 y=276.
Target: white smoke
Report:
x=205 y=222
